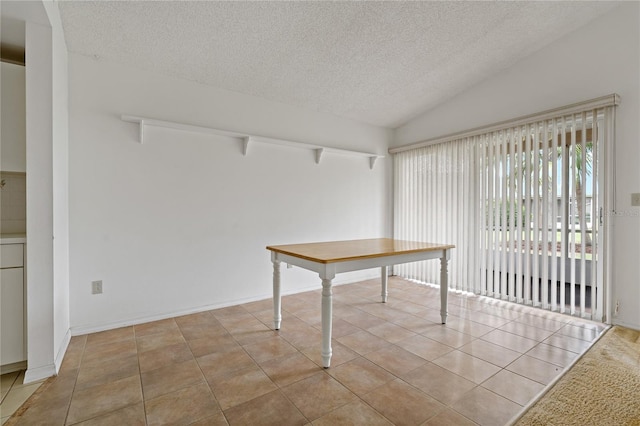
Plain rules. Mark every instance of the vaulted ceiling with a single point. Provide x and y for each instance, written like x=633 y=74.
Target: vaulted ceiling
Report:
x=381 y=63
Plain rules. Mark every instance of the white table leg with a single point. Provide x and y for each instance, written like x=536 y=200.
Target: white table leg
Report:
x=277 y=314
x=444 y=285
x=327 y=313
x=384 y=281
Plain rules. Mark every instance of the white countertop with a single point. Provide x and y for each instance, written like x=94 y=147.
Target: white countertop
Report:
x=13 y=238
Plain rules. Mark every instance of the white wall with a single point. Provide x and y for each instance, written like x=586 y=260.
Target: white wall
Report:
x=39 y=264
x=180 y=223
x=60 y=185
x=598 y=59
x=46 y=168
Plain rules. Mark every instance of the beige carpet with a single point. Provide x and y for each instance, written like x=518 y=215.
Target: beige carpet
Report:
x=602 y=388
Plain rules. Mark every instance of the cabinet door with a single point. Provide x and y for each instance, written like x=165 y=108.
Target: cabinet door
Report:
x=11 y=255
x=11 y=316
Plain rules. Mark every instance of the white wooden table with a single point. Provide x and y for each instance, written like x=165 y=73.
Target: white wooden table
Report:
x=331 y=258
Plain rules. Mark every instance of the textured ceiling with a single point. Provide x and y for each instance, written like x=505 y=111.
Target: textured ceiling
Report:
x=378 y=62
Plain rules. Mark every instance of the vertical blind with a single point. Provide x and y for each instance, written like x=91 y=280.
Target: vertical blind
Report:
x=522 y=202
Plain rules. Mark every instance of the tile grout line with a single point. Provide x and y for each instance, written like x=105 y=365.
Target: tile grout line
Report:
x=202 y=372
x=10 y=387
x=509 y=318
x=144 y=405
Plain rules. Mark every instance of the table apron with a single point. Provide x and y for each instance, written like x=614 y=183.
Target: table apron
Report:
x=329 y=270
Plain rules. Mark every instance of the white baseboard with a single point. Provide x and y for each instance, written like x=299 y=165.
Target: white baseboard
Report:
x=94 y=328
x=39 y=373
x=626 y=324
x=36 y=374
x=62 y=350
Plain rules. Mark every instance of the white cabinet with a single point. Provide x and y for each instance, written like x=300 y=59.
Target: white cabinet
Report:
x=12 y=305
x=12 y=316
x=11 y=256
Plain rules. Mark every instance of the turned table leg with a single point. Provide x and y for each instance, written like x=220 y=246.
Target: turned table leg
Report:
x=277 y=314
x=444 y=286
x=327 y=313
x=384 y=279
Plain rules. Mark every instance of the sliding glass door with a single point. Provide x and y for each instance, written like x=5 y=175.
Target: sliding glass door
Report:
x=539 y=197
x=524 y=205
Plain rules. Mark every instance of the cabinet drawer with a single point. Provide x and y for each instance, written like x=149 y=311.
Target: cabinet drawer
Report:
x=11 y=255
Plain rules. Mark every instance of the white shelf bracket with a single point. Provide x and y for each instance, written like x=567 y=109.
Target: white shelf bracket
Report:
x=372 y=162
x=245 y=145
x=141 y=131
x=244 y=138
x=139 y=121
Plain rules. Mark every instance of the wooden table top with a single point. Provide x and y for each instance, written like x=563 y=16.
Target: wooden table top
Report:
x=340 y=251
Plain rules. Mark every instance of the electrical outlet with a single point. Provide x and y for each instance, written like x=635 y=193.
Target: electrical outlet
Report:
x=617 y=310
x=96 y=287
x=635 y=199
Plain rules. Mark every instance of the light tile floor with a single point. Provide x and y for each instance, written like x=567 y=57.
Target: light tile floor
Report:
x=14 y=393
x=392 y=363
